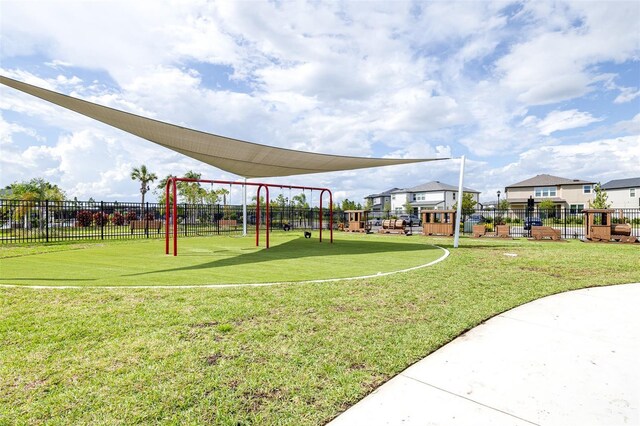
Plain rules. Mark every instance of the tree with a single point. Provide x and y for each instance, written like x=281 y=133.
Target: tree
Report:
x=468 y=204
x=368 y=205
x=300 y=201
x=547 y=208
x=36 y=189
x=160 y=191
x=280 y=201
x=600 y=199
x=33 y=192
x=408 y=207
x=145 y=177
x=387 y=206
x=349 y=205
x=503 y=205
x=191 y=192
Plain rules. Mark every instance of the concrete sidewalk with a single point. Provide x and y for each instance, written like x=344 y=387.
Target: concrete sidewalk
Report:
x=567 y=359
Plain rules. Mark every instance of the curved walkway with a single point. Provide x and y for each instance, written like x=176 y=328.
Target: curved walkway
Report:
x=327 y=280
x=568 y=359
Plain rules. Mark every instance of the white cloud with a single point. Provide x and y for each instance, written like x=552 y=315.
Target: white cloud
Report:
x=374 y=79
x=564 y=120
x=556 y=64
x=627 y=94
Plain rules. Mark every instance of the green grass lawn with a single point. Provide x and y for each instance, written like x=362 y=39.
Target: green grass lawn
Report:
x=285 y=354
x=211 y=260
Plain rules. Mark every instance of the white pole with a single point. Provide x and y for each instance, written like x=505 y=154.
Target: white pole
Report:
x=244 y=208
x=460 y=194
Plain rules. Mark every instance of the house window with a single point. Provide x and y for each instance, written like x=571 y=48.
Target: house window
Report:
x=393 y=197
x=454 y=196
x=586 y=189
x=576 y=208
x=632 y=192
x=545 y=191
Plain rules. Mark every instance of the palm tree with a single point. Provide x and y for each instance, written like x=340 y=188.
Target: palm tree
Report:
x=142 y=174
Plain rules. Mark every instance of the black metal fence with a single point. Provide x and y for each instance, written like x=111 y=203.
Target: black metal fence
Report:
x=570 y=222
x=48 y=221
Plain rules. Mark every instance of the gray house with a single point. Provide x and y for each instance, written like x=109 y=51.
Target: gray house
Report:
x=378 y=201
x=428 y=196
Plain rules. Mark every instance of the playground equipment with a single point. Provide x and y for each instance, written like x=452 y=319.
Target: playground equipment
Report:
x=544 y=232
x=600 y=227
x=438 y=222
x=357 y=221
x=171 y=212
x=395 y=226
x=501 y=231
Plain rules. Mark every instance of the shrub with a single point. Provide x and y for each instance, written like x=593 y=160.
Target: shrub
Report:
x=100 y=218
x=129 y=216
x=84 y=218
x=117 y=219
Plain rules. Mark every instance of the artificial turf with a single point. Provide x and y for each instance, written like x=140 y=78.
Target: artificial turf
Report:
x=211 y=260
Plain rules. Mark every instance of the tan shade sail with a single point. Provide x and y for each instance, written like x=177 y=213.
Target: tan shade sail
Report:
x=242 y=158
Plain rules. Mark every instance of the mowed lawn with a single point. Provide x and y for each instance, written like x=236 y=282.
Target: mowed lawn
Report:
x=295 y=354
x=212 y=260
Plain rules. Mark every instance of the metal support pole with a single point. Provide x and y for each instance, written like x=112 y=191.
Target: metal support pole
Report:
x=167 y=216
x=244 y=208
x=175 y=217
x=460 y=195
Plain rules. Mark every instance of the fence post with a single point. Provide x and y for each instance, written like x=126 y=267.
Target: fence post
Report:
x=186 y=219
x=145 y=211
x=46 y=219
x=102 y=220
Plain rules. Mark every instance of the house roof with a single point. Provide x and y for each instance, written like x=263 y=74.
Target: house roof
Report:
x=434 y=186
x=385 y=193
x=548 y=180
x=246 y=159
x=622 y=183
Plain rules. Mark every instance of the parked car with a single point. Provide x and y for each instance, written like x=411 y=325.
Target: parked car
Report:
x=476 y=219
x=532 y=221
x=376 y=221
x=411 y=219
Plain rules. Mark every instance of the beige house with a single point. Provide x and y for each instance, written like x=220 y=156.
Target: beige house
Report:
x=573 y=194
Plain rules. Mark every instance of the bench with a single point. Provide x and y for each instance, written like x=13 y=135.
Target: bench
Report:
x=391 y=226
x=227 y=222
x=542 y=232
x=145 y=224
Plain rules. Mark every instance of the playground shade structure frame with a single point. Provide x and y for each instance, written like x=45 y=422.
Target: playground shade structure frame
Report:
x=171 y=212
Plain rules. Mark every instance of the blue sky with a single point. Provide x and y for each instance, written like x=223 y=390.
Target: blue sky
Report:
x=519 y=88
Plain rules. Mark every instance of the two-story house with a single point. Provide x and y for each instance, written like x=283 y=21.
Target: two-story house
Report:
x=623 y=193
x=428 y=196
x=379 y=201
x=573 y=194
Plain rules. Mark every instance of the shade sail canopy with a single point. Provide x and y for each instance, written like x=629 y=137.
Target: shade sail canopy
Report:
x=246 y=159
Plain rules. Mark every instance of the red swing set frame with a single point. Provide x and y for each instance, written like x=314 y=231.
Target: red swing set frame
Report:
x=171 y=212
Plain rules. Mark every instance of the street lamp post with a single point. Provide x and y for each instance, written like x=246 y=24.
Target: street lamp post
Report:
x=498 y=198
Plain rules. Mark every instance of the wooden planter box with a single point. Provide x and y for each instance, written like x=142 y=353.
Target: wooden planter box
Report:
x=503 y=231
x=479 y=231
